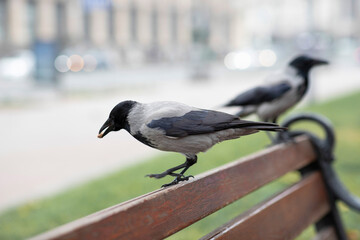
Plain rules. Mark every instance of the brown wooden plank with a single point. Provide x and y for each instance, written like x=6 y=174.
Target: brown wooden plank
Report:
x=282 y=217
x=326 y=234
x=164 y=212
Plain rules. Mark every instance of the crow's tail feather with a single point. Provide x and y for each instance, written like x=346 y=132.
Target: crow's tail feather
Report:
x=269 y=128
x=263 y=126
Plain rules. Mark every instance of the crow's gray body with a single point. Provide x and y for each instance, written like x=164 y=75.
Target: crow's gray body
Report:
x=281 y=91
x=172 y=126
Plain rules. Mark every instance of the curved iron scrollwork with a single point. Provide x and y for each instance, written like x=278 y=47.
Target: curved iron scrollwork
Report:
x=325 y=149
x=325 y=157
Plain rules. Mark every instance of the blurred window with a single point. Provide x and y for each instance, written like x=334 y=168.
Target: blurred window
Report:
x=61 y=23
x=111 y=24
x=226 y=27
x=353 y=9
x=86 y=15
x=2 y=20
x=31 y=20
x=201 y=24
x=174 y=24
x=154 y=26
x=133 y=23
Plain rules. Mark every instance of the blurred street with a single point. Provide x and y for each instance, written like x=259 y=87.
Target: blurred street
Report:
x=51 y=144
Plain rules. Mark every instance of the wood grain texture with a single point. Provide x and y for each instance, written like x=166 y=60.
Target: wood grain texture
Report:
x=166 y=211
x=282 y=217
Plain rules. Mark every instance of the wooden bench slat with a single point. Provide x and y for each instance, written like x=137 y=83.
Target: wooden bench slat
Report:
x=282 y=217
x=166 y=211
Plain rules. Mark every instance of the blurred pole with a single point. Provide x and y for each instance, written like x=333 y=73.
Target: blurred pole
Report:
x=218 y=28
x=72 y=20
x=99 y=26
x=45 y=45
x=184 y=27
x=122 y=26
x=144 y=26
x=18 y=34
x=164 y=28
x=357 y=18
x=200 y=33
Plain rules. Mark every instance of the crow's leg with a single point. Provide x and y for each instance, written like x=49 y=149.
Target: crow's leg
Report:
x=271 y=137
x=285 y=137
x=189 y=162
x=179 y=176
x=169 y=171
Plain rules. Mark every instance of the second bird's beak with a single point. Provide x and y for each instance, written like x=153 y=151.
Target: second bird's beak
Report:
x=108 y=127
x=320 y=62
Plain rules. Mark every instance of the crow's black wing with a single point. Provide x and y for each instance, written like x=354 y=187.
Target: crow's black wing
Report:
x=202 y=122
x=259 y=95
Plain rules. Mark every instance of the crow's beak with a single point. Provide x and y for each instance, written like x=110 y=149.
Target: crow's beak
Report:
x=320 y=62
x=108 y=127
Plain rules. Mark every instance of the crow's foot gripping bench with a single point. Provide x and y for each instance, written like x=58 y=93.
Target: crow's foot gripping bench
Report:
x=164 y=212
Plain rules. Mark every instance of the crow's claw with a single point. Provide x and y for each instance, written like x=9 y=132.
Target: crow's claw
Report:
x=178 y=179
x=156 y=175
x=161 y=175
x=285 y=138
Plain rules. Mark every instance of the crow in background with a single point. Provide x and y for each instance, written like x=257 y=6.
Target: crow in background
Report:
x=283 y=91
x=176 y=127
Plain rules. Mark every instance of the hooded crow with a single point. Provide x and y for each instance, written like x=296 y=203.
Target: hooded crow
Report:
x=285 y=90
x=176 y=127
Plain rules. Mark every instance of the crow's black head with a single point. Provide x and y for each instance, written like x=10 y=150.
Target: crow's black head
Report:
x=117 y=119
x=305 y=63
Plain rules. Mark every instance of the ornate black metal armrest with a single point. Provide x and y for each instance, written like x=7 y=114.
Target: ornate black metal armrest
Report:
x=325 y=150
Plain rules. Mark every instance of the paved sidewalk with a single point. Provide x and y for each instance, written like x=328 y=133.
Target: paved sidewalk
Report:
x=51 y=146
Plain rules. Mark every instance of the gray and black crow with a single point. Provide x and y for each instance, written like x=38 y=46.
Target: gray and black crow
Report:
x=283 y=91
x=176 y=127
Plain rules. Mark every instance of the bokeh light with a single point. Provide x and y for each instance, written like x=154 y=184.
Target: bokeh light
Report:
x=238 y=60
x=229 y=61
x=242 y=60
x=357 y=55
x=267 y=58
x=90 y=63
x=75 y=63
x=60 y=63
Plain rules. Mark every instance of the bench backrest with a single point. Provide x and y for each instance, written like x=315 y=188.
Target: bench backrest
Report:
x=164 y=212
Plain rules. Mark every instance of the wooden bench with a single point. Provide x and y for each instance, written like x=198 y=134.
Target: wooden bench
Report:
x=161 y=213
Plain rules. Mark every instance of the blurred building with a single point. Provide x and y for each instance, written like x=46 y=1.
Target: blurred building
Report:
x=166 y=31
x=159 y=28
x=146 y=31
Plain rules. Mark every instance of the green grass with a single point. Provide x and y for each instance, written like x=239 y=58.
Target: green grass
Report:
x=38 y=216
